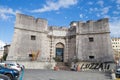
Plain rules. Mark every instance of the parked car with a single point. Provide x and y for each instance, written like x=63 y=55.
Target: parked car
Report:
x=4 y=77
x=2 y=64
x=13 y=65
x=11 y=73
x=117 y=71
x=73 y=66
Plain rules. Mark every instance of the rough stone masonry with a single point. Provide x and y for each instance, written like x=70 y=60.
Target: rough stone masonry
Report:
x=87 y=41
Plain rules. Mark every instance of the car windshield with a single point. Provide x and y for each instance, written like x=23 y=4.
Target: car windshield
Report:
x=10 y=64
x=118 y=69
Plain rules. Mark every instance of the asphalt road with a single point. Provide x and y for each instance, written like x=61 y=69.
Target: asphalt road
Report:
x=63 y=75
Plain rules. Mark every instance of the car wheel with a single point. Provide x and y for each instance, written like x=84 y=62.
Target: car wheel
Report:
x=4 y=77
x=10 y=76
x=117 y=76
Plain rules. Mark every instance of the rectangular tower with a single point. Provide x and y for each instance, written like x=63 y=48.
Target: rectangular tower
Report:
x=30 y=37
x=93 y=41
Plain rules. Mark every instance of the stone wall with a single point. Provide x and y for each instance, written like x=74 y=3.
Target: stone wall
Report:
x=23 y=45
x=100 y=48
x=33 y=35
x=86 y=66
x=90 y=27
x=37 y=65
x=30 y=23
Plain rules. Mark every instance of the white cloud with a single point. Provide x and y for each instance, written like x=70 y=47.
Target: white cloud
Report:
x=115 y=28
x=2 y=44
x=116 y=12
x=50 y=5
x=3 y=16
x=118 y=7
x=91 y=9
x=101 y=3
x=98 y=15
x=58 y=12
x=81 y=15
x=65 y=17
x=90 y=3
x=106 y=16
x=94 y=9
x=118 y=1
x=6 y=12
x=105 y=10
x=86 y=17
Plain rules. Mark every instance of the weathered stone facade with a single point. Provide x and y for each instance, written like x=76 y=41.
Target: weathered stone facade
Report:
x=86 y=41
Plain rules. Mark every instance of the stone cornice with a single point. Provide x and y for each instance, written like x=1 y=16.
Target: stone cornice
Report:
x=46 y=32
x=57 y=28
x=92 y=33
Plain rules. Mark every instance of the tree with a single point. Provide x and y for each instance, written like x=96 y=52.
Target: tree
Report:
x=4 y=56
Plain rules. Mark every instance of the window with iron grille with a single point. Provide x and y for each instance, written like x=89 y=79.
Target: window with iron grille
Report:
x=33 y=37
x=91 y=39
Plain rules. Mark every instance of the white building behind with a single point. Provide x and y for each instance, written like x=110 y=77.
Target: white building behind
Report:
x=116 y=47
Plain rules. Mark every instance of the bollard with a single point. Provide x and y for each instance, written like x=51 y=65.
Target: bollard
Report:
x=56 y=68
x=99 y=69
x=113 y=75
x=78 y=68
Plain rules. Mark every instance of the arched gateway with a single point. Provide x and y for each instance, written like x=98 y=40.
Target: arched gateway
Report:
x=60 y=51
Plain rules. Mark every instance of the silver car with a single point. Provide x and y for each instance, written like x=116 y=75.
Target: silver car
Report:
x=13 y=65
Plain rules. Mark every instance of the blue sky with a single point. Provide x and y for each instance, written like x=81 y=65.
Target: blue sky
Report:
x=58 y=13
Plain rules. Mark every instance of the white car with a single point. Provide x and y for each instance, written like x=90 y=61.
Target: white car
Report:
x=13 y=65
x=3 y=64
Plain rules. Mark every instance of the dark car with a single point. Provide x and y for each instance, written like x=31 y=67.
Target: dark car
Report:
x=11 y=73
x=117 y=71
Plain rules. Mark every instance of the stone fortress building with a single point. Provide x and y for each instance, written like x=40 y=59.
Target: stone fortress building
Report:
x=86 y=41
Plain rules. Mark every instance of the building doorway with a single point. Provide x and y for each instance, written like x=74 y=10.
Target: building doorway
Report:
x=60 y=52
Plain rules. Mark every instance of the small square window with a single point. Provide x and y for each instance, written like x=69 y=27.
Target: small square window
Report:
x=33 y=37
x=91 y=39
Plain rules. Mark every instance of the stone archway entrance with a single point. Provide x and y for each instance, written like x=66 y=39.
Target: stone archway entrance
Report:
x=60 y=51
